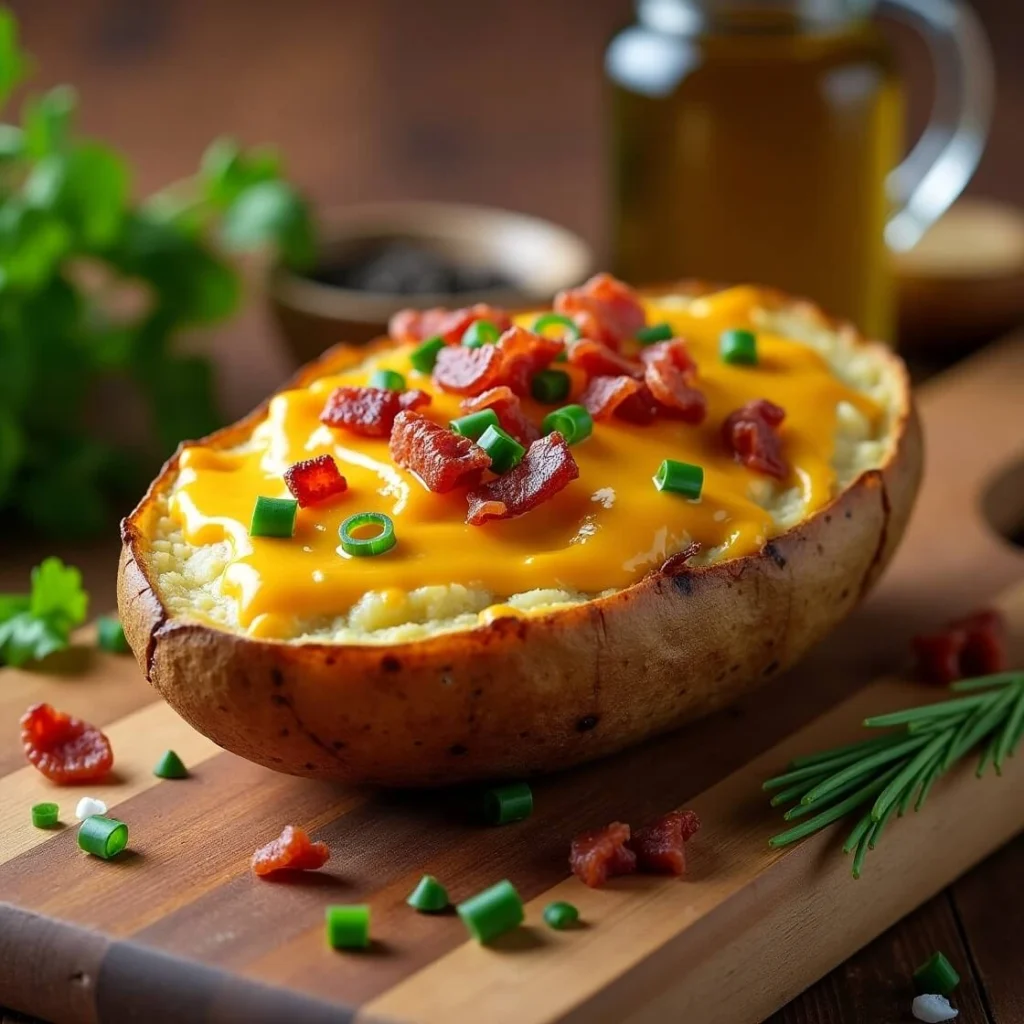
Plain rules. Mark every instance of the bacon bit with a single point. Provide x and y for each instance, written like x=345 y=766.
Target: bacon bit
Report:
x=598 y=360
x=604 y=395
x=641 y=408
x=65 y=749
x=315 y=480
x=604 y=309
x=440 y=458
x=292 y=850
x=671 y=373
x=546 y=468
x=972 y=646
x=523 y=354
x=508 y=409
x=750 y=432
x=370 y=412
x=660 y=846
x=408 y=325
x=467 y=371
x=597 y=855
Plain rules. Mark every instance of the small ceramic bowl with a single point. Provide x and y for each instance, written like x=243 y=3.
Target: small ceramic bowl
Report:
x=537 y=257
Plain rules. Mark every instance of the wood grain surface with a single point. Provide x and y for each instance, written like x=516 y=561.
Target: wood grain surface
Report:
x=179 y=929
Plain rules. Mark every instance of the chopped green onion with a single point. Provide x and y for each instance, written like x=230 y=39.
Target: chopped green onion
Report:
x=513 y=802
x=383 y=540
x=389 y=380
x=429 y=897
x=492 y=912
x=45 y=815
x=348 y=927
x=550 y=386
x=505 y=451
x=560 y=915
x=656 y=332
x=473 y=425
x=542 y=323
x=102 y=837
x=273 y=517
x=110 y=635
x=936 y=976
x=170 y=766
x=424 y=355
x=482 y=332
x=738 y=347
x=573 y=422
x=680 y=478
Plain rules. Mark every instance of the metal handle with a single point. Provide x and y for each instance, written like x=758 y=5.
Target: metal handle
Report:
x=936 y=170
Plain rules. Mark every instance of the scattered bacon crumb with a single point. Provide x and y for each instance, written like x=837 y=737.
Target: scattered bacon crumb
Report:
x=751 y=434
x=523 y=353
x=545 y=469
x=604 y=309
x=65 y=749
x=660 y=847
x=439 y=457
x=292 y=850
x=598 y=360
x=508 y=409
x=603 y=396
x=641 y=408
x=972 y=646
x=597 y=855
x=467 y=371
x=671 y=374
x=315 y=480
x=409 y=325
x=370 y=412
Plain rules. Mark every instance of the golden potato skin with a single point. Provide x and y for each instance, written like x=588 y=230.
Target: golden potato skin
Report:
x=521 y=696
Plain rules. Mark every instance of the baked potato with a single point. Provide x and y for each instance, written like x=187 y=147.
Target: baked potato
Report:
x=521 y=643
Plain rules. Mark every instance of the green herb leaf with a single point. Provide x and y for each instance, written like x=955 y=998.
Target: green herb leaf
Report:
x=25 y=638
x=13 y=63
x=32 y=244
x=181 y=391
x=226 y=172
x=33 y=626
x=57 y=594
x=47 y=121
x=271 y=213
x=12 y=142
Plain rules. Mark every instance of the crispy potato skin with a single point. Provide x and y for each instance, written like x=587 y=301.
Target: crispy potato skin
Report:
x=521 y=696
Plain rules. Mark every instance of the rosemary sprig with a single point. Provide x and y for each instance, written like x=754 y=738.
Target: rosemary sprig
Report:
x=896 y=770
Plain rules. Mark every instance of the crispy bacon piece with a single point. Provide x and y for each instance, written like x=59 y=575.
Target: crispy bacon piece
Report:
x=641 y=408
x=315 y=480
x=597 y=855
x=419 y=324
x=751 y=434
x=604 y=309
x=65 y=749
x=523 y=353
x=671 y=375
x=598 y=360
x=370 y=412
x=660 y=846
x=440 y=458
x=467 y=371
x=546 y=468
x=508 y=409
x=604 y=395
x=972 y=646
x=292 y=850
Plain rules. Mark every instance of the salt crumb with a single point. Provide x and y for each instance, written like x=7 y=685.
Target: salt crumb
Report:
x=605 y=496
x=88 y=806
x=933 y=1009
x=720 y=516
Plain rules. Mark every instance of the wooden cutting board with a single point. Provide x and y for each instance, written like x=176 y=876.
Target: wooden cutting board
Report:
x=177 y=929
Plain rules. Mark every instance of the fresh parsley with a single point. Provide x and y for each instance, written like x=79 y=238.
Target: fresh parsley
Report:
x=36 y=624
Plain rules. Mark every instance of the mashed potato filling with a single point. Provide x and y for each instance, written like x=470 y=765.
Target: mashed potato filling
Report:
x=602 y=533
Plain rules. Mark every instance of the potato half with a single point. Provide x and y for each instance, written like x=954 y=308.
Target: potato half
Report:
x=512 y=696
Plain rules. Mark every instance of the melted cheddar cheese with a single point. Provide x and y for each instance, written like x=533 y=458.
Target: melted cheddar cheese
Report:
x=603 y=532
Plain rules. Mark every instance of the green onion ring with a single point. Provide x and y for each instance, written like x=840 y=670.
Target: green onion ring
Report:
x=363 y=547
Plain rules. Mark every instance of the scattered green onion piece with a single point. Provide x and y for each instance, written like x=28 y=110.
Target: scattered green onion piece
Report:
x=110 y=635
x=550 y=386
x=473 y=425
x=738 y=347
x=680 y=478
x=45 y=815
x=482 y=332
x=542 y=323
x=656 y=332
x=424 y=356
x=429 y=897
x=937 y=976
x=390 y=380
x=505 y=451
x=273 y=517
x=573 y=422
x=560 y=915
x=348 y=927
x=170 y=766
x=513 y=802
x=362 y=547
x=492 y=912
x=102 y=837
